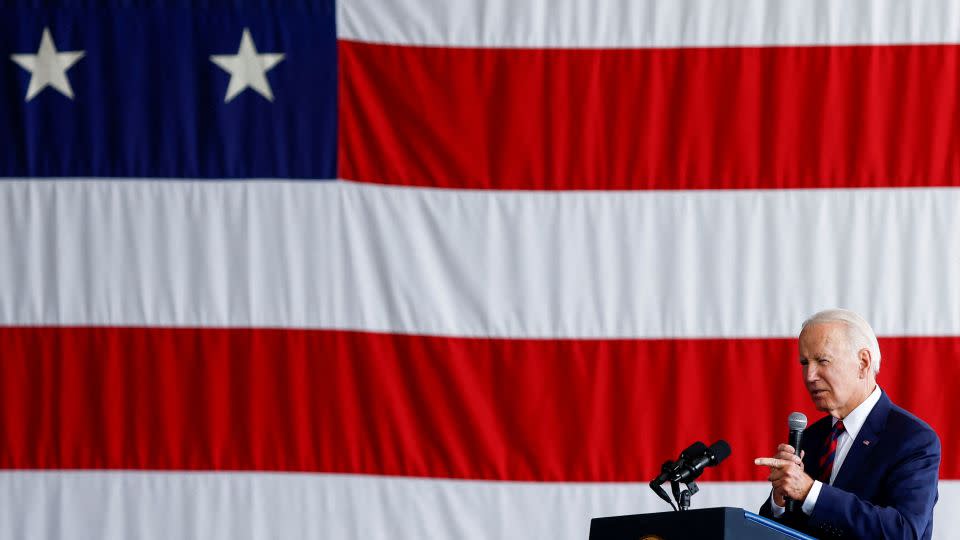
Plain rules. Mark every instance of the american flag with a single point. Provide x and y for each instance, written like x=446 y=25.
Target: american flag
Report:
x=463 y=269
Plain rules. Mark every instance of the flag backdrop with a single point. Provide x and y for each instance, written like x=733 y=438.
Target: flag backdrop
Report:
x=453 y=268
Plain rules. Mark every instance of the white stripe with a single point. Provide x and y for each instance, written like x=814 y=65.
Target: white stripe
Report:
x=476 y=263
x=235 y=506
x=648 y=23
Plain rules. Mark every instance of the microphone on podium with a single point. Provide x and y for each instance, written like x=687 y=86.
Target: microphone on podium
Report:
x=693 y=460
x=671 y=468
x=710 y=457
x=797 y=422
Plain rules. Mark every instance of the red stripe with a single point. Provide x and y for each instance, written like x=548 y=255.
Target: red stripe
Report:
x=307 y=400
x=785 y=117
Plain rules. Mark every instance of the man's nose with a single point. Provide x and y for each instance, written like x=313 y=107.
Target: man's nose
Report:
x=810 y=373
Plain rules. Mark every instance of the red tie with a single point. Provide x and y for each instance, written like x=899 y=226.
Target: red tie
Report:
x=830 y=452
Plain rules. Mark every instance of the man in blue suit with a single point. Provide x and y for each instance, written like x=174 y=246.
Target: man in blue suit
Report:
x=870 y=468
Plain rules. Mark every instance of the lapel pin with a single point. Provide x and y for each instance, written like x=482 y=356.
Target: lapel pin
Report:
x=866 y=443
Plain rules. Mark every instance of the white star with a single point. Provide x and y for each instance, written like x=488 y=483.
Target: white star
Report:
x=48 y=67
x=247 y=68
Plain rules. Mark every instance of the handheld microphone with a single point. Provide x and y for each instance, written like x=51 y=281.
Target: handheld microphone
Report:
x=797 y=422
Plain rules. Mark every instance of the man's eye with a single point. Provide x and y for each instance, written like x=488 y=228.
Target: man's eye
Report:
x=804 y=362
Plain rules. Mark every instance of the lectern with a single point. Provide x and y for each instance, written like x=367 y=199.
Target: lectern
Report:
x=704 y=524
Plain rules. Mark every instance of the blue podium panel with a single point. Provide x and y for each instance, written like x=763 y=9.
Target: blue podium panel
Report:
x=705 y=524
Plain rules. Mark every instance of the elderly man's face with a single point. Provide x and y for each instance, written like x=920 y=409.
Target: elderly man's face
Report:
x=832 y=371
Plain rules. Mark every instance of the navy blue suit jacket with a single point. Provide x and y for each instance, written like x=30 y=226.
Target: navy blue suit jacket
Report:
x=887 y=484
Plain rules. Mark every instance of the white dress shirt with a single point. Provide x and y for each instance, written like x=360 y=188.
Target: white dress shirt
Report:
x=852 y=424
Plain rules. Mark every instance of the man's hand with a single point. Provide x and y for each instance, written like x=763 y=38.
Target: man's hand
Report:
x=786 y=475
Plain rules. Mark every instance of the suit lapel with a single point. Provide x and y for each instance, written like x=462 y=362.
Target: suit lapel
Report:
x=866 y=441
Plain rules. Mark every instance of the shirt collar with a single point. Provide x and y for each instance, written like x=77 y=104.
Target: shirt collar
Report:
x=857 y=417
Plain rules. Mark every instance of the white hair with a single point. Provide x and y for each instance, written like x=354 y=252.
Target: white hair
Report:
x=859 y=333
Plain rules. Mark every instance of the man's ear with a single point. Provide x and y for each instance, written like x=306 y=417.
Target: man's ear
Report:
x=866 y=362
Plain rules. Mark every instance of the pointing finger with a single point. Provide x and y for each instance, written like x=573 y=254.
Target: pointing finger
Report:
x=770 y=462
x=784 y=456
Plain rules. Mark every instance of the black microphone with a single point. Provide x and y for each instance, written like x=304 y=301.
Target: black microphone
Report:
x=797 y=422
x=710 y=457
x=669 y=469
